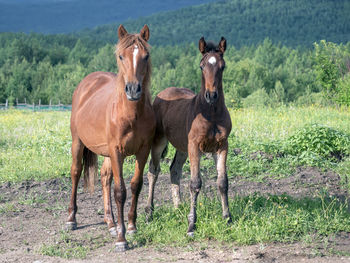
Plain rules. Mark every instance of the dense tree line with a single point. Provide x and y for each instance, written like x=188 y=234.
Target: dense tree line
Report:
x=245 y=22
x=49 y=68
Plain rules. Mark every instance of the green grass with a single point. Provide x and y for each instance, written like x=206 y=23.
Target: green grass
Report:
x=36 y=145
x=255 y=219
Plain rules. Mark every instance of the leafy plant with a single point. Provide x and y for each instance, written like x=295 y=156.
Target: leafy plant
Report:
x=314 y=142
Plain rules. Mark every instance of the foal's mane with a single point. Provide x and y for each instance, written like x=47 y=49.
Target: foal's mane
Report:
x=136 y=39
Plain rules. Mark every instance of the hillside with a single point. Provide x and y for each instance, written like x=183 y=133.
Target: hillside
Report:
x=245 y=22
x=62 y=16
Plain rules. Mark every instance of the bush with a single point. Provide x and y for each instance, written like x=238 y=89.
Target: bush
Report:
x=258 y=98
x=315 y=142
x=343 y=95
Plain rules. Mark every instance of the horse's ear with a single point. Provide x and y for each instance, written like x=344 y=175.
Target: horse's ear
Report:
x=144 y=33
x=122 y=32
x=202 y=45
x=222 y=45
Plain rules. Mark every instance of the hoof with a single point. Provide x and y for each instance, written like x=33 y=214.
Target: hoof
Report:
x=121 y=247
x=131 y=232
x=190 y=234
x=113 y=231
x=70 y=226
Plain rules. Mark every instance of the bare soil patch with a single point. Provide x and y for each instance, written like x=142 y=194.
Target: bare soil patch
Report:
x=33 y=214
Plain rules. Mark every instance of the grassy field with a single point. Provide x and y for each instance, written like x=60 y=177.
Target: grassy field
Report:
x=264 y=143
x=36 y=145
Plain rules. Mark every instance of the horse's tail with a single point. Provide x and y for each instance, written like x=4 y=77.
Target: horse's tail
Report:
x=165 y=151
x=90 y=169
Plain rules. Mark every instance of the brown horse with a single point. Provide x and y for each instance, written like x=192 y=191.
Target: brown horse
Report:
x=193 y=124
x=112 y=116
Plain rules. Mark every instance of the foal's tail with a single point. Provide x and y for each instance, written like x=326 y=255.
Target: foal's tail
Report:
x=90 y=169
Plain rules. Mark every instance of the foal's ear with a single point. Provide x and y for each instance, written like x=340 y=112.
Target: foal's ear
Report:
x=222 y=45
x=202 y=45
x=121 y=32
x=144 y=33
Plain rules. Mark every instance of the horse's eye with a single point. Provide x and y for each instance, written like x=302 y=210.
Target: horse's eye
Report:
x=201 y=67
x=120 y=57
x=146 y=57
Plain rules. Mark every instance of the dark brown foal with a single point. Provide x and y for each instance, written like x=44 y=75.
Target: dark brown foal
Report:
x=193 y=124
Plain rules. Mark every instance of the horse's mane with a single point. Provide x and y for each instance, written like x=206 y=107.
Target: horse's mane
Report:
x=136 y=39
x=211 y=47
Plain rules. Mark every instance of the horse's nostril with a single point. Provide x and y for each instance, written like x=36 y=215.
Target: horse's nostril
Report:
x=138 y=88
x=215 y=95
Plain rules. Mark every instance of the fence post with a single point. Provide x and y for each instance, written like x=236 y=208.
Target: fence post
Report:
x=39 y=103
x=16 y=101
x=50 y=105
x=7 y=104
x=33 y=106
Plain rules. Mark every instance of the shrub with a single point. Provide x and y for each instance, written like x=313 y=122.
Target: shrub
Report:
x=315 y=142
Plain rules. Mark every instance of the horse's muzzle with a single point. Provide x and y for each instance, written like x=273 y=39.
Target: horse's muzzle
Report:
x=211 y=97
x=133 y=91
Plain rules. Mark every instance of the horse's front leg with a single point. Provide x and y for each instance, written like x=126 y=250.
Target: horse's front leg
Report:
x=195 y=185
x=136 y=186
x=106 y=181
x=117 y=160
x=222 y=181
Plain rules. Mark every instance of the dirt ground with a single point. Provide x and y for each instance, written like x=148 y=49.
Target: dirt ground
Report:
x=34 y=214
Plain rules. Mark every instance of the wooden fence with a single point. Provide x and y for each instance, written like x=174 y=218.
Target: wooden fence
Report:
x=35 y=107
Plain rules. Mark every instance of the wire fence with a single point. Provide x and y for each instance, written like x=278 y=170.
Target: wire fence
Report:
x=35 y=107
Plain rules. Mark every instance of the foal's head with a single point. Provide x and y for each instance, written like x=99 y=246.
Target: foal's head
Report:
x=212 y=66
x=132 y=54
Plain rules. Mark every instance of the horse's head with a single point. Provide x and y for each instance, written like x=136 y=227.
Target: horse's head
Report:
x=212 y=66
x=133 y=61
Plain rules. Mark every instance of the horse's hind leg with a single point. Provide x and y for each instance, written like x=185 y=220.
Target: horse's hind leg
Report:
x=158 y=147
x=76 y=168
x=222 y=181
x=106 y=180
x=175 y=176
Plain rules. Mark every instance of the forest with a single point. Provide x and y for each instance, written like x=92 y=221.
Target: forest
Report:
x=37 y=67
x=275 y=53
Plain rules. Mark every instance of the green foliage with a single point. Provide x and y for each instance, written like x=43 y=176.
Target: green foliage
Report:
x=314 y=142
x=332 y=64
x=344 y=90
x=293 y=23
x=258 y=98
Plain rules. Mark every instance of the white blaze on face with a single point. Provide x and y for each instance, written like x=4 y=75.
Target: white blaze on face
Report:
x=136 y=51
x=212 y=60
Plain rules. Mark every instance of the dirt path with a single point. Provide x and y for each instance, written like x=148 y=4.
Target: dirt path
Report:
x=32 y=214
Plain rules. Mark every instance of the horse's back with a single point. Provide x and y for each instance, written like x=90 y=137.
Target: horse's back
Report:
x=172 y=107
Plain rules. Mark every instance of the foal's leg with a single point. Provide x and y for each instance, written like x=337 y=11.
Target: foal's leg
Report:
x=158 y=147
x=175 y=176
x=136 y=185
x=106 y=180
x=76 y=168
x=117 y=160
x=222 y=181
x=195 y=185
